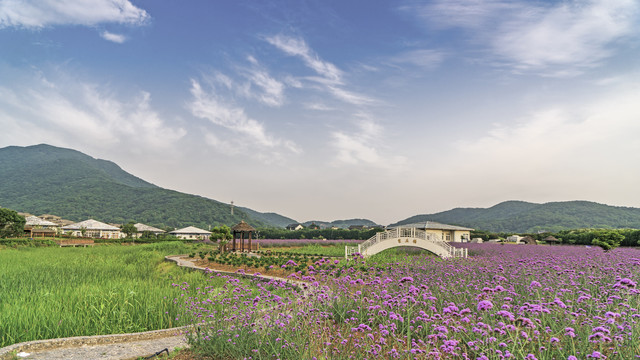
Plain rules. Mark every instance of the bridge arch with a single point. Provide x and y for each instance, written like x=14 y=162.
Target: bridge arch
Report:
x=406 y=237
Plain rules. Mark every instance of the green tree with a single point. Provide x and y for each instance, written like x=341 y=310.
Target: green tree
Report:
x=607 y=239
x=11 y=224
x=129 y=229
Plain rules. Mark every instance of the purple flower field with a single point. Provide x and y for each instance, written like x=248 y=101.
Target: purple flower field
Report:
x=504 y=302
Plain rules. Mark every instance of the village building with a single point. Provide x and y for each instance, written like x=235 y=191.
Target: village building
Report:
x=295 y=227
x=448 y=233
x=514 y=238
x=191 y=233
x=94 y=229
x=142 y=228
x=37 y=227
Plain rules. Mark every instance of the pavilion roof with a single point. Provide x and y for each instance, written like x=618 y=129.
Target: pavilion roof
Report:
x=243 y=226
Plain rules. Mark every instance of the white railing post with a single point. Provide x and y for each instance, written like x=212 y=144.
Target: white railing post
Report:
x=359 y=249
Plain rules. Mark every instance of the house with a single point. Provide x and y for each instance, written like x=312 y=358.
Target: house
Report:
x=191 y=233
x=514 y=238
x=295 y=227
x=93 y=228
x=146 y=228
x=37 y=227
x=313 y=226
x=449 y=233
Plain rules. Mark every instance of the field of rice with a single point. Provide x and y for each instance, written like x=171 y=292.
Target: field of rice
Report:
x=59 y=292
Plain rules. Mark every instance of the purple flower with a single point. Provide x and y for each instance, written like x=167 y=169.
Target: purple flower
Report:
x=485 y=305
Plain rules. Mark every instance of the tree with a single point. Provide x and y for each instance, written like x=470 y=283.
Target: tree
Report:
x=607 y=239
x=11 y=224
x=221 y=234
x=129 y=229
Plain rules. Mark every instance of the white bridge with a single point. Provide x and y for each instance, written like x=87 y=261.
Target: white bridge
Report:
x=407 y=237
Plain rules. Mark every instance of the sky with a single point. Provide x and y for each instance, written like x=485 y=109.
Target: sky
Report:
x=325 y=110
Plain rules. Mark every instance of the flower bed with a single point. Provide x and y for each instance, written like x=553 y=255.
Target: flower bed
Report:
x=505 y=302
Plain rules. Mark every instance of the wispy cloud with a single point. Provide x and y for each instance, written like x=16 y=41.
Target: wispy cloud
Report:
x=69 y=111
x=41 y=13
x=270 y=91
x=425 y=58
x=116 y=38
x=363 y=146
x=330 y=76
x=565 y=142
x=250 y=136
x=557 y=39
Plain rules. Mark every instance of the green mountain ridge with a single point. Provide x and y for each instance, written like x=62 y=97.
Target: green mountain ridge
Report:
x=343 y=224
x=525 y=217
x=47 y=179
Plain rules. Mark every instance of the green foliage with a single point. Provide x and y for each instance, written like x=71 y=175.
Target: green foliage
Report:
x=607 y=240
x=220 y=233
x=11 y=224
x=329 y=234
x=61 y=292
x=523 y=217
x=129 y=229
x=45 y=179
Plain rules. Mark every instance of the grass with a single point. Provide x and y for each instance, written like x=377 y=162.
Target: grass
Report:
x=312 y=249
x=60 y=292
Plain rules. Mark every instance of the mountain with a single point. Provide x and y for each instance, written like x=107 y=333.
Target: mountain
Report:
x=43 y=179
x=270 y=218
x=525 y=217
x=343 y=224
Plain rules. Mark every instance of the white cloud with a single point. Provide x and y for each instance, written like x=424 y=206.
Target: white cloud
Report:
x=331 y=78
x=41 y=13
x=362 y=146
x=426 y=58
x=568 y=143
x=116 y=38
x=72 y=112
x=251 y=135
x=271 y=91
x=556 y=39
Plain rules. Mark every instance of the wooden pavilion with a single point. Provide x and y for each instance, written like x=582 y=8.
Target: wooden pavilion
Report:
x=241 y=231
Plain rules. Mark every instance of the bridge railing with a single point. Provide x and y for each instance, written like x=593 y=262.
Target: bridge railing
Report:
x=398 y=233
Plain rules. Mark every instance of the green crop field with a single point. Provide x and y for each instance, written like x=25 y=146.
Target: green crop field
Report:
x=51 y=292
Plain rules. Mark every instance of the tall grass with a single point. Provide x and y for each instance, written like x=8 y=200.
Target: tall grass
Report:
x=60 y=292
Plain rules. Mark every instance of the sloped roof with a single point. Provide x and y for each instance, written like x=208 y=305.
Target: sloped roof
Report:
x=36 y=221
x=142 y=227
x=90 y=225
x=190 y=230
x=243 y=226
x=432 y=225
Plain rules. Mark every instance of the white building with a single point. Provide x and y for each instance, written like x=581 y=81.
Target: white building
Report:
x=191 y=233
x=449 y=233
x=142 y=228
x=94 y=229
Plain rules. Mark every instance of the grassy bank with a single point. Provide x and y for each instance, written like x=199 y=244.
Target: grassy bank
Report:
x=60 y=292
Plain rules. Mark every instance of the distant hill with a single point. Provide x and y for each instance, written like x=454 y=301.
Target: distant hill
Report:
x=525 y=217
x=46 y=179
x=270 y=218
x=343 y=224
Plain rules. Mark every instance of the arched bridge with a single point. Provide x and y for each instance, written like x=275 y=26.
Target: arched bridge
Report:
x=407 y=237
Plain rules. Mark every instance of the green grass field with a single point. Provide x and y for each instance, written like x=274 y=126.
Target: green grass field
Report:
x=59 y=292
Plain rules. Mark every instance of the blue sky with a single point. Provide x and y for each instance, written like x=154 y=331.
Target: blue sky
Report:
x=322 y=110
